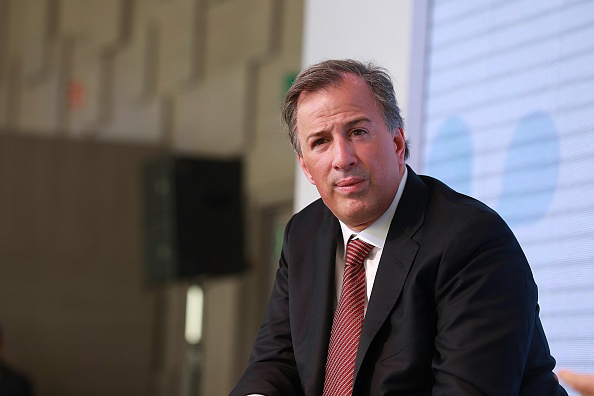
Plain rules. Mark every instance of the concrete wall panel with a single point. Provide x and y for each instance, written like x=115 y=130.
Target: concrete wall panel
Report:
x=237 y=31
x=94 y=23
x=210 y=119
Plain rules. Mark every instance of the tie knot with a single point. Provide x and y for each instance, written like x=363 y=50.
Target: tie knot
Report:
x=356 y=252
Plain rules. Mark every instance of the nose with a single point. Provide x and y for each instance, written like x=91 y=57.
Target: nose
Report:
x=344 y=154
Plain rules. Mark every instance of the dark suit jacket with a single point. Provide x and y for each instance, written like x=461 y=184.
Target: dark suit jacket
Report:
x=453 y=309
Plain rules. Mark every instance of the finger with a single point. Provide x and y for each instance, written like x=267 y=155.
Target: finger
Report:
x=583 y=383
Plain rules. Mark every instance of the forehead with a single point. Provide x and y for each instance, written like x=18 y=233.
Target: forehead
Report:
x=351 y=93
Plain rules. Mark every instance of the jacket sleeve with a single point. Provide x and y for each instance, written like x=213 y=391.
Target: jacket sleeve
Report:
x=486 y=302
x=272 y=369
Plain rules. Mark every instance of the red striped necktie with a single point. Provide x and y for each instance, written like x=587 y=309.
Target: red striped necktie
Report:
x=347 y=324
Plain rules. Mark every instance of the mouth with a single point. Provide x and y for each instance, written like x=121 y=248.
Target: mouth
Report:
x=350 y=185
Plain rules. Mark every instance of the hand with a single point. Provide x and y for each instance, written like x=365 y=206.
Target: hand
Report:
x=583 y=383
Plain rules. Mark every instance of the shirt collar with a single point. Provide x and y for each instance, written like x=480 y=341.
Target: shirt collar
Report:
x=377 y=232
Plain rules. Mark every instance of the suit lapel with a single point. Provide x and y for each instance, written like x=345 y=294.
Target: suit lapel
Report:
x=397 y=258
x=323 y=301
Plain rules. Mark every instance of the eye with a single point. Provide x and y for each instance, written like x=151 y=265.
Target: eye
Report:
x=319 y=142
x=359 y=132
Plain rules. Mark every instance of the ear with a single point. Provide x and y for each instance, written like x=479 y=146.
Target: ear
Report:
x=305 y=171
x=400 y=145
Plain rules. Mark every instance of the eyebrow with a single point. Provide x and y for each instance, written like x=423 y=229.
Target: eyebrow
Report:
x=357 y=121
x=349 y=124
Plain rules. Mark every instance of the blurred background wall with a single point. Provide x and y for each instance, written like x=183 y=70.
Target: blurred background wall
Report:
x=89 y=90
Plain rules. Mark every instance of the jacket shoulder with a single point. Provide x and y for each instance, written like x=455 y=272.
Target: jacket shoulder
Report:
x=448 y=201
x=310 y=217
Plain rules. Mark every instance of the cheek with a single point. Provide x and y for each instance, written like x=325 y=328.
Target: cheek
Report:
x=382 y=164
x=320 y=164
x=316 y=172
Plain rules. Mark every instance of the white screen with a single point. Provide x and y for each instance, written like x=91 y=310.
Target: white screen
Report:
x=508 y=117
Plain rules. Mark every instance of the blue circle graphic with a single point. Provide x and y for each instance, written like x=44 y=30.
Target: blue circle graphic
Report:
x=531 y=170
x=450 y=156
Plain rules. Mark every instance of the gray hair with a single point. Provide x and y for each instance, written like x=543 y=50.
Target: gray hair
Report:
x=331 y=73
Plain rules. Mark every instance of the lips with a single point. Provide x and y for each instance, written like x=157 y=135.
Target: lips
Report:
x=351 y=181
x=350 y=185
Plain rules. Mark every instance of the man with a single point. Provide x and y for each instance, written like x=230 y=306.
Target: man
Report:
x=449 y=302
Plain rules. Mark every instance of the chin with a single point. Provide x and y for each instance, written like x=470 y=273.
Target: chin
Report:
x=355 y=217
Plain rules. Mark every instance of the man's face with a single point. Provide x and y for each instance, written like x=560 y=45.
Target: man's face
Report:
x=347 y=151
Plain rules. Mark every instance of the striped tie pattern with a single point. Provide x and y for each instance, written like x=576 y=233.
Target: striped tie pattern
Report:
x=347 y=324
